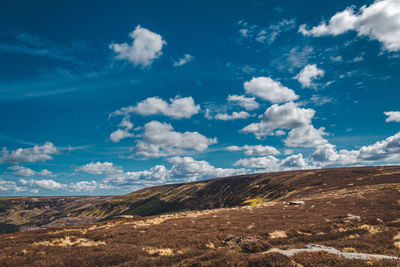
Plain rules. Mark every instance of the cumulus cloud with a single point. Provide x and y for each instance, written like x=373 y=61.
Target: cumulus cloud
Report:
x=184 y=60
x=271 y=163
x=249 y=103
x=178 y=108
x=229 y=117
x=34 y=186
x=379 y=21
x=392 y=116
x=257 y=150
x=268 y=162
x=120 y=134
x=26 y=172
x=305 y=136
x=384 y=150
x=268 y=89
x=84 y=186
x=34 y=154
x=145 y=48
x=286 y=116
x=99 y=168
x=294 y=162
x=42 y=184
x=308 y=74
x=187 y=167
x=9 y=186
x=160 y=139
x=182 y=169
x=156 y=174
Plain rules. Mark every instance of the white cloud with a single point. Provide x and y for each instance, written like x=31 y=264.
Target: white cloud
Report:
x=294 y=162
x=275 y=29
x=42 y=184
x=45 y=172
x=262 y=35
x=26 y=172
x=271 y=163
x=187 y=167
x=268 y=162
x=279 y=133
x=308 y=74
x=244 y=32
x=22 y=171
x=160 y=139
x=34 y=154
x=392 y=116
x=84 y=186
x=179 y=108
x=257 y=150
x=379 y=21
x=382 y=150
x=358 y=59
x=249 y=103
x=385 y=150
x=286 y=116
x=336 y=59
x=184 y=60
x=182 y=169
x=120 y=134
x=228 y=117
x=268 y=89
x=158 y=174
x=99 y=168
x=145 y=48
x=9 y=186
x=33 y=186
x=319 y=100
x=305 y=136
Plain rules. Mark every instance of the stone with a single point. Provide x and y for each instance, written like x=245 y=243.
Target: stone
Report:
x=297 y=202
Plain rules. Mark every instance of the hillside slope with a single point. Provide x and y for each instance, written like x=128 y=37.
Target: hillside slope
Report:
x=207 y=194
x=240 y=190
x=36 y=211
x=343 y=217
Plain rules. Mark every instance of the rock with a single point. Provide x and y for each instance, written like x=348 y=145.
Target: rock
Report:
x=347 y=255
x=297 y=202
x=352 y=217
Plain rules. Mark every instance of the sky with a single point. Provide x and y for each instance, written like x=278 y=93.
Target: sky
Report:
x=105 y=97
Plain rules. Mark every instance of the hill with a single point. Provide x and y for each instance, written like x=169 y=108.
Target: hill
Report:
x=207 y=194
x=331 y=217
x=28 y=212
x=241 y=190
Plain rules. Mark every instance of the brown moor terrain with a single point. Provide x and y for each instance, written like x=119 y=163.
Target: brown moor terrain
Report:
x=232 y=221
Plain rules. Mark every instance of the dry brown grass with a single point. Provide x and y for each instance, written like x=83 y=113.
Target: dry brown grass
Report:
x=196 y=238
x=69 y=241
x=159 y=251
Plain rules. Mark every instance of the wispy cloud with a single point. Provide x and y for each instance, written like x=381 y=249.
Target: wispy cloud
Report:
x=33 y=45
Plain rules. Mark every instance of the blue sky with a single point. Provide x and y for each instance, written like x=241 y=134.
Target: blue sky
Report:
x=106 y=98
